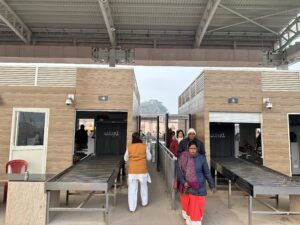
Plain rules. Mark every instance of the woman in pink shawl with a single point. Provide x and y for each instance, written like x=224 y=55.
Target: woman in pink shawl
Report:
x=192 y=174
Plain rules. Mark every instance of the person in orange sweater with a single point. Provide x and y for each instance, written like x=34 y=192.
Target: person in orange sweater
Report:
x=137 y=155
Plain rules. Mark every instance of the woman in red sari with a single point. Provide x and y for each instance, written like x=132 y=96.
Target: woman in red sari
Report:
x=193 y=171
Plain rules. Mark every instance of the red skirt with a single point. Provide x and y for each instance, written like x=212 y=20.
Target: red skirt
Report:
x=184 y=199
x=193 y=206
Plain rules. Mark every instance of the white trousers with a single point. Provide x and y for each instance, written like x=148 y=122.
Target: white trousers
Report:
x=133 y=185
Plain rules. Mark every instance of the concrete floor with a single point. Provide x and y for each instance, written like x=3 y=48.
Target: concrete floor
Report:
x=159 y=212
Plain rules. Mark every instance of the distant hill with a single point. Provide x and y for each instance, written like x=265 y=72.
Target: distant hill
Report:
x=153 y=106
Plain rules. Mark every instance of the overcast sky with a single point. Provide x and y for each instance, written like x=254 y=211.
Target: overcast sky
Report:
x=296 y=66
x=164 y=83
x=167 y=83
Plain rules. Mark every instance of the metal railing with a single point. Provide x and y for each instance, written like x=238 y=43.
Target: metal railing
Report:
x=167 y=166
x=165 y=162
x=151 y=144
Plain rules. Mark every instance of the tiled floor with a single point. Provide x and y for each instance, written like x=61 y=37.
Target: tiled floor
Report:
x=159 y=212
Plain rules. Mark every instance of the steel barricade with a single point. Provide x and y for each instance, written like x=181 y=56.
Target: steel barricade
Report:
x=167 y=164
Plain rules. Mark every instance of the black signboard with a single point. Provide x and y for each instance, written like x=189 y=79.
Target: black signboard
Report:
x=221 y=140
x=111 y=138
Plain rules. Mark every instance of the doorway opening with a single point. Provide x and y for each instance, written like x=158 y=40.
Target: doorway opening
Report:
x=294 y=135
x=106 y=133
x=240 y=140
x=249 y=142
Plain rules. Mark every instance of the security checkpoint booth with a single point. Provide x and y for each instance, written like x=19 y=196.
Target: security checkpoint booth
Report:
x=249 y=124
x=43 y=106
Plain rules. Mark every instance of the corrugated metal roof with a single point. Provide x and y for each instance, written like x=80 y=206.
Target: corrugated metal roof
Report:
x=143 y=22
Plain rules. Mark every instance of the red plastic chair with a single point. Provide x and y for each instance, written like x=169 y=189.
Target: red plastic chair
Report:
x=15 y=166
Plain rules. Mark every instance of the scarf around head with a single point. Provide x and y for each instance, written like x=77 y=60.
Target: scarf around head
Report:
x=188 y=169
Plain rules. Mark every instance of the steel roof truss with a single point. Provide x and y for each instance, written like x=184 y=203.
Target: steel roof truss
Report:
x=11 y=19
x=208 y=14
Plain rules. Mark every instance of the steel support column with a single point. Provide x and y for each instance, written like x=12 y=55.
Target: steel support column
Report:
x=105 y=9
x=111 y=30
x=157 y=144
x=139 y=119
x=190 y=121
x=208 y=14
x=166 y=127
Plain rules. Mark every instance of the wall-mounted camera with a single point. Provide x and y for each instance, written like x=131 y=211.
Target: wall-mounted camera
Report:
x=267 y=103
x=70 y=99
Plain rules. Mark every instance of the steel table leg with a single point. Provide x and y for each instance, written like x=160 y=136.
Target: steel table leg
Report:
x=229 y=194
x=106 y=212
x=47 y=208
x=216 y=178
x=277 y=201
x=250 y=208
x=121 y=177
x=67 y=198
x=115 y=192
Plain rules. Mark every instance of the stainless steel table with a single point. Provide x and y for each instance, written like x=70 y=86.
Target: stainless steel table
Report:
x=92 y=174
x=256 y=181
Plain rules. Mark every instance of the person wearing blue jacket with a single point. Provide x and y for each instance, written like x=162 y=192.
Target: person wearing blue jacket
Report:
x=193 y=172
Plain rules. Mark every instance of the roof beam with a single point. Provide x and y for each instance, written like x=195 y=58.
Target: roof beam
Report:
x=248 y=19
x=105 y=9
x=208 y=14
x=257 y=18
x=11 y=19
x=289 y=34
